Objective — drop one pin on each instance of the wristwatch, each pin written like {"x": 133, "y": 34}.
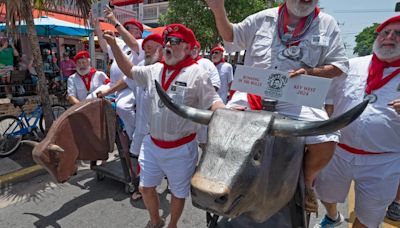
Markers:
{"x": 116, "y": 25}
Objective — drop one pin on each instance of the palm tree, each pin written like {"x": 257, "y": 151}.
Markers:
{"x": 18, "y": 10}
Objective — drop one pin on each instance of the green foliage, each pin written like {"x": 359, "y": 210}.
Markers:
{"x": 364, "y": 40}
{"x": 200, "y": 19}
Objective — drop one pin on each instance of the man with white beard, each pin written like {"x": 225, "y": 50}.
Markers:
{"x": 170, "y": 149}
{"x": 299, "y": 39}
{"x": 86, "y": 79}
{"x": 369, "y": 150}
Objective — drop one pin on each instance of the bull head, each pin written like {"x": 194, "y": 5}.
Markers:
{"x": 252, "y": 160}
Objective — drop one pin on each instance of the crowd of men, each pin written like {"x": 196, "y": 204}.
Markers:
{"x": 296, "y": 38}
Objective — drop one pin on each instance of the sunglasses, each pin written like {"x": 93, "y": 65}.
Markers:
{"x": 215, "y": 52}
{"x": 386, "y": 33}
{"x": 173, "y": 40}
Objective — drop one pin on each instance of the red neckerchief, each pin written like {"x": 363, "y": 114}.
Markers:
{"x": 87, "y": 78}
{"x": 375, "y": 73}
{"x": 301, "y": 27}
{"x": 198, "y": 58}
{"x": 177, "y": 69}
{"x": 221, "y": 61}
{"x": 253, "y": 100}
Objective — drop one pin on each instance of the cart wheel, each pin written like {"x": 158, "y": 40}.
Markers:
{"x": 100, "y": 176}
{"x": 130, "y": 188}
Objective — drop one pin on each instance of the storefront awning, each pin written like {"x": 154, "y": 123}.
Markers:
{"x": 125, "y": 2}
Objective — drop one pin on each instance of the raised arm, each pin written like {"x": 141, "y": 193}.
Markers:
{"x": 128, "y": 38}
{"x": 99, "y": 33}
{"x": 123, "y": 62}
{"x": 224, "y": 26}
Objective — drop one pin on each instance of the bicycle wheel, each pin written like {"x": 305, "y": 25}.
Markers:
{"x": 9, "y": 141}
{"x": 57, "y": 110}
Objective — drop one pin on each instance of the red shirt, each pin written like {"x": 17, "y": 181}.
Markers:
{"x": 67, "y": 67}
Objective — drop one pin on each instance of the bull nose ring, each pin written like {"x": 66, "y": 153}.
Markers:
{"x": 221, "y": 199}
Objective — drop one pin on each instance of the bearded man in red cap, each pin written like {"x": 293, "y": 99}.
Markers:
{"x": 225, "y": 71}
{"x": 131, "y": 44}
{"x": 368, "y": 153}
{"x": 86, "y": 79}
{"x": 294, "y": 38}
{"x": 170, "y": 149}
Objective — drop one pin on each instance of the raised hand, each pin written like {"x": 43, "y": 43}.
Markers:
{"x": 215, "y": 5}
{"x": 395, "y": 105}
{"x": 109, "y": 36}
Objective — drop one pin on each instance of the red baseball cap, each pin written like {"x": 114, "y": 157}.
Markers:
{"x": 388, "y": 21}
{"x": 180, "y": 31}
{"x": 217, "y": 48}
{"x": 154, "y": 37}
{"x": 135, "y": 23}
{"x": 81, "y": 55}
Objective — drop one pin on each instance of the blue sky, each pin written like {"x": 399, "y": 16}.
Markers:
{"x": 354, "y": 15}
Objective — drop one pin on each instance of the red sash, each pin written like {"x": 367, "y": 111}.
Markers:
{"x": 177, "y": 69}
{"x": 173, "y": 144}
{"x": 221, "y": 61}
{"x": 375, "y": 78}
{"x": 253, "y": 100}
{"x": 356, "y": 151}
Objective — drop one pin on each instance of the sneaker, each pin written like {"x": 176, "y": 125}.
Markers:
{"x": 393, "y": 211}
{"x": 310, "y": 201}
{"x": 151, "y": 225}
{"x": 327, "y": 222}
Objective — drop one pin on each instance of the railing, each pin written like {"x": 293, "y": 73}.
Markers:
{"x": 151, "y": 12}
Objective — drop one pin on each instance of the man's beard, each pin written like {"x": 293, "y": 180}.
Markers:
{"x": 170, "y": 59}
{"x": 83, "y": 71}
{"x": 300, "y": 9}
{"x": 149, "y": 60}
{"x": 386, "y": 53}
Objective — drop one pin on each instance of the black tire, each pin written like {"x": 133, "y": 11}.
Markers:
{"x": 57, "y": 110}
{"x": 9, "y": 143}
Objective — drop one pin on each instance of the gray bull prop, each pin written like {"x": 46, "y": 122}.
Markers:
{"x": 252, "y": 162}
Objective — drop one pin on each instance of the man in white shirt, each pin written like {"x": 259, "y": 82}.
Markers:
{"x": 225, "y": 71}
{"x": 131, "y": 44}
{"x": 296, "y": 38}
{"x": 170, "y": 149}
{"x": 369, "y": 148}
{"x": 86, "y": 79}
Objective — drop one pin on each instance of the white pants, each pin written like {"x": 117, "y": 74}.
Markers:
{"x": 375, "y": 187}
{"x": 125, "y": 103}
{"x": 178, "y": 164}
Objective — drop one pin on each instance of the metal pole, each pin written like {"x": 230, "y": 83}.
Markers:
{"x": 92, "y": 50}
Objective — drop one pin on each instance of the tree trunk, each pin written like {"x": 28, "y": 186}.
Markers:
{"x": 38, "y": 62}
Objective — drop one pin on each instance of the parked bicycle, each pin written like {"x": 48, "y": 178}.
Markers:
{"x": 26, "y": 125}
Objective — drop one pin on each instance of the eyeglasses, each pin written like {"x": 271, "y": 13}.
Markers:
{"x": 215, "y": 52}
{"x": 134, "y": 28}
{"x": 173, "y": 40}
{"x": 386, "y": 33}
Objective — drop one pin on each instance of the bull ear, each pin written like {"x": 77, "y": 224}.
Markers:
{"x": 196, "y": 115}
{"x": 292, "y": 128}
{"x": 55, "y": 148}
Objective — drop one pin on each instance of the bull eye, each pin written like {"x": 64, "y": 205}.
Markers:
{"x": 257, "y": 157}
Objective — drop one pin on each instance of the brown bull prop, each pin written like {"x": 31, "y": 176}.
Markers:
{"x": 86, "y": 131}
{"x": 252, "y": 162}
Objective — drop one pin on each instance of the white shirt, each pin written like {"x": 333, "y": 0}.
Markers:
{"x": 115, "y": 73}
{"x": 225, "y": 71}
{"x": 77, "y": 88}
{"x": 257, "y": 34}
{"x": 209, "y": 66}
{"x": 378, "y": 127}
{"x": 191, "y": 87}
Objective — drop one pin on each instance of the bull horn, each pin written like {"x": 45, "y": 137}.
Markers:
{"x": 291, "y": 128}
{"x": 29, "y": 143}
{"x": 55, "y": 148}
{"x": 196, "y": 115}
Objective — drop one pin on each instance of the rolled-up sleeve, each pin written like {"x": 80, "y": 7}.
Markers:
{"x": 335, "y": 54}
{"x": 206, "y": 92}
{"x": 71, "y": 89}
{"x": 243, "y": 33}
